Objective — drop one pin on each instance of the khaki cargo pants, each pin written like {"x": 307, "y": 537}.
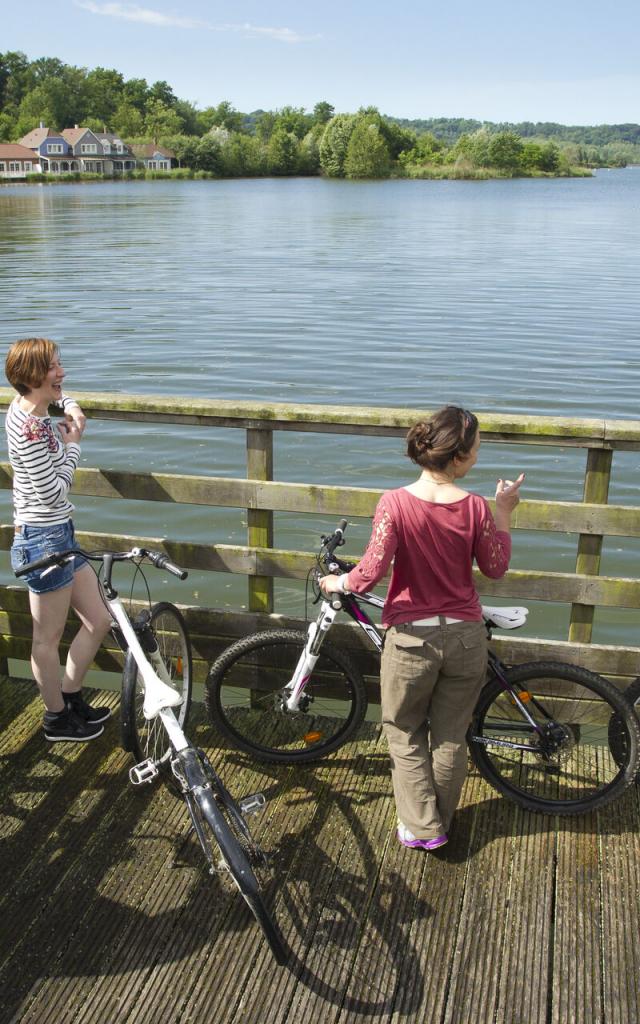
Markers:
{"x": 431, "y": 677}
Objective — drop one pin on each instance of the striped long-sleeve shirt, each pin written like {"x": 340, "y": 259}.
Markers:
{"x": 43, "y": 467}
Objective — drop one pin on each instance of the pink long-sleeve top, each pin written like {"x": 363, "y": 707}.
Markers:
{"x": 432, "y": 547}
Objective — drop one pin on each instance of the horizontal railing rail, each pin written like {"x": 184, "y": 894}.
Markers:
{"x": 590, "y": 520}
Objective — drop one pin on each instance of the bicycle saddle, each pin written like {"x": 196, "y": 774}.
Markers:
{"x": 504, "y": 618}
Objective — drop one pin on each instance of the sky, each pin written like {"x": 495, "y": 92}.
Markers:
{"x": 569, "y": 61}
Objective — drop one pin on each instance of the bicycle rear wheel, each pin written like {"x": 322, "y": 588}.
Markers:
{"x": 215, "y": 814}
{"x": 147, "y": 739}
{"x": 562, "y": 763}
{"x": 618, "y": 740}
{"x": 245, "y": 700}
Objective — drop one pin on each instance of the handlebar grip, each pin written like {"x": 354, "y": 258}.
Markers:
{"x": 163, "y": 563}
{"x": 44, "y": 563}
{"x": 336, "y": 539}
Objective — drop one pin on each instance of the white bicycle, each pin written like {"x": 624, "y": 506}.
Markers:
{"x": 156, "y": 696}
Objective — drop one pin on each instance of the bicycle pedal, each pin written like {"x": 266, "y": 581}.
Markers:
{"x": 252, "y": 804}
{"x": 146, "y": 771}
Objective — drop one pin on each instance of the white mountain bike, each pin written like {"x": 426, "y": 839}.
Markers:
{"x": 156, "y": 695}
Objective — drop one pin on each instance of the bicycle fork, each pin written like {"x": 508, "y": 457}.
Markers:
{"x": 316, "y": 634}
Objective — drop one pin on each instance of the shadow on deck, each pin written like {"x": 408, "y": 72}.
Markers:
{"x": 108, "y": 915}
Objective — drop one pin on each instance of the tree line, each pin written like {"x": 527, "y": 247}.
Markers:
{"x": 222, "y": 141}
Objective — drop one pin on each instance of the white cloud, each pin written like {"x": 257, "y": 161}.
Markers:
{"x": 131, "y": 12}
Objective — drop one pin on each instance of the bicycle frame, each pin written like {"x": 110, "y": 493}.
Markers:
{"x": 351, "y": 604}
{"x": 317, "y": 632}
{"x": 159, "y": 696}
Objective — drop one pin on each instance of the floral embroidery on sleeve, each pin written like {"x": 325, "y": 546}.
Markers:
{"x": 35, "y": 429}
{"x": 493, "y": 549}
{"x": 380, "y": 551}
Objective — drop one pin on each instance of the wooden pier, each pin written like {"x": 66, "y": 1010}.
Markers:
{"x": 108, "y": 914}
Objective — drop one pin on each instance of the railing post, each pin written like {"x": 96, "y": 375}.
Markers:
{"x": 596, "y": 490}
{"x": 259, "y": 521}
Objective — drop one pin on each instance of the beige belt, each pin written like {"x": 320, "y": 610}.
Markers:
{"x": 433, "y": 621}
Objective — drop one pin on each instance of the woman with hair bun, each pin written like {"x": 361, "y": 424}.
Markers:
{"x": 434, "y": 661}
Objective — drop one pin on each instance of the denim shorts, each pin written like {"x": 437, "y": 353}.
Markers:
{"x": 33, "y": 542}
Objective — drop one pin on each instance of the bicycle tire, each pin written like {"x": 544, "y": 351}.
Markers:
{"x": 148, "y": 739}
{"x": 617, "y": 735}
{"x": 203, "y": 805}
{"x": 580, "y": 774}
{"x": 333, "y": 707}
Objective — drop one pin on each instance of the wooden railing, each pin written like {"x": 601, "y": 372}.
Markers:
{"x": 592, "y": 520}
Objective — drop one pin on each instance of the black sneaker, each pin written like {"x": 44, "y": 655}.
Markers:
{"x": 66, "y": 727}
{"x": 76, "y": 703}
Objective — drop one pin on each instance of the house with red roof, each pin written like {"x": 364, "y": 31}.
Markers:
{"x": 154, "y": 157}
{"x": 17, "y": 161}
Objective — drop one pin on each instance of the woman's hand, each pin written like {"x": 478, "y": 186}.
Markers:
{"x": 69, "y": 431}
{"x": 330, "y": 585}
{"x": 75, "y": 414}
{"x": 507, "y": 497}
{"x": 508, "y": 493}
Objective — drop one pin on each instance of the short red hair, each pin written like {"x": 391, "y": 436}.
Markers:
{"x": 28, "y": 363}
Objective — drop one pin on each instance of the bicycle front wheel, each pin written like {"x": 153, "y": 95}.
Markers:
{"x": 147, "y": 739}
{"x": 555, "y": 758}
{"x": 211, "y": 818}
{"x": 245, "y": 698}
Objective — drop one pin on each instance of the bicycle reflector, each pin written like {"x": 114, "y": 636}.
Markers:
{"x": 179, "y": 665}
{"x": 524, "y": 696}
{"x": 312, "y": 737}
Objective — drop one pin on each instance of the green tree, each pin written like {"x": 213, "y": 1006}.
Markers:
{"x": 243, "y": 156}
{"x": 282, "y": 151}
{"x": 367, "y": 154}
{"x": 505, "y": 151}
{"x": 163, "y": 92}
{"x": 549, "y": 157}
{"x": 103, "y": 89}
{"x": 293, "y": 120}
{"x": 136, "y": 93}
{"x": 185, "y": 148}
{"x": 188, "y": 115}
{"x": 322, "y": 112}
{"x": 16, "y": 78}
{"x": 161, "y": 120}
{"x": 223, "y": 116}
{"x": 265, "y": 123}
{"x": 334, "y": 144}
{"x": 309, "y": 151}
{"x": 127, "y": 120}
{"x": 208, "y": 157}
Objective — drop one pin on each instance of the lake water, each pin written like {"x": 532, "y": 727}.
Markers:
{"x": 507, "y": 296}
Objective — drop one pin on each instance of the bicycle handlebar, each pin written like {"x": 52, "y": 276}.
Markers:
{"x": 336, "y": 540}
{"x": 157, "y": 558}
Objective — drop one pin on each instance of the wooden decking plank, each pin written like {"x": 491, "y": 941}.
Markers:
{"x": 78, "y": 906}
{"x": 620, "y": 853}
{"x": 157, "y": 940}
{"x": 386, "y": 955}
{"x": 101, "y": 927}
{"x": 33, "y": 768}
{"x": 158, "y": 995}
{"x": 577, "y": 994}
{"x": 333, "y": 957}
{"x": 307, "y": 887}
{"x": 472, "y": 992}
{"x": 18, "y": 700}
{"x": 54, "y": 835}
{"x": 524, "y": 966}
